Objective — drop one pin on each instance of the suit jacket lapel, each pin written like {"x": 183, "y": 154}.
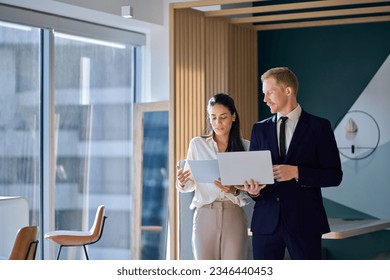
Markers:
{"x": 298, "y": 135}
{"x": 273, "y": 140}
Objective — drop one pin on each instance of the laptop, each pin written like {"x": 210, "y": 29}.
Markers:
{"x": 236, "y": 167}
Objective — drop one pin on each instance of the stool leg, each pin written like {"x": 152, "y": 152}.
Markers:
{"x": 85, "y": 251}
{"x": 59, "y": 252}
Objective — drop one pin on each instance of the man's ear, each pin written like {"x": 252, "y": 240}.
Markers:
{"x": 288, "y": 91}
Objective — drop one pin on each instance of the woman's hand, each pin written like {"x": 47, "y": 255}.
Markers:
{"x": 182, "y": 176}
{"x": 225, "y": 189}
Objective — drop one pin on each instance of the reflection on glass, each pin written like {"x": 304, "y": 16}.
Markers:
{"x": 20, "y": 116}
{"x": 155, "y": 186}
{"x": 93, "y": 105}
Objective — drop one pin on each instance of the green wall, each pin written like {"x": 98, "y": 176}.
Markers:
{"x": 334, "y": 64}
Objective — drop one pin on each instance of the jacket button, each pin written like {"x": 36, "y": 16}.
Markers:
{"x": 277, "y": 199}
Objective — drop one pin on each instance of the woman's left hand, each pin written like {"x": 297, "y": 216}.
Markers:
{"x": 225, "y": 189}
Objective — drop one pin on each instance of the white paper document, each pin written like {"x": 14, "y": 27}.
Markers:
{"x": 236, "y": 167}
{"x": 204, "y": 171}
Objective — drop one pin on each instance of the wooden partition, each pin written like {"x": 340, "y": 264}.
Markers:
{"x": 208, "y": 55}
{"x": 243, "y": 76}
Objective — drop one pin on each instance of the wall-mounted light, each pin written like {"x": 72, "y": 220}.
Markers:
{"x": 351, "y": 130}
{"x": 360, "y": 137}
{"x": 127, "y": 11}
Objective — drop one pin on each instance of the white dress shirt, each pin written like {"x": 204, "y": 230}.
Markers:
{"x": 205, "y": 193}
{"x": 291, "y": 123}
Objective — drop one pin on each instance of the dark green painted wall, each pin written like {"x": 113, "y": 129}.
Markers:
{"x": 334, "y": 64}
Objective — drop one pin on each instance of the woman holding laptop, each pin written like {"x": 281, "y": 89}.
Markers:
{"x": 219, "y": 225}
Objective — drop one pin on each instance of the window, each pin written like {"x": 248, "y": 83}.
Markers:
{"x": 151, "y": 148}
{"x": 93, "y": 132}
{"x": 67, "y": 126}
{"x": 20, "y": 118}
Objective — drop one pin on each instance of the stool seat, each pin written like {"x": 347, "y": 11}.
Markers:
{"x": 79, "y": 238}
{"x": 70, "y": 238}
{"x": 26, "y": 242}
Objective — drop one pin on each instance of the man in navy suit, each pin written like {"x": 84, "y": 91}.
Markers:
{"x": 290, "y": 213}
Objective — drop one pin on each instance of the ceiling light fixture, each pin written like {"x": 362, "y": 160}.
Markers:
{"x": 15, "y": 26}
{"x": 90, "y": 40}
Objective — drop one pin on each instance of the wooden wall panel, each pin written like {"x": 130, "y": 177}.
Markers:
{"x": 216, "y": 60}
{"x": 189, "y": 78}
{"x": 243, "y": 75}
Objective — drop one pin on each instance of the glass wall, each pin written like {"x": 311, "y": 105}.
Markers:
{"x": 66, "y": 125}
{"x": 93, "y": 128}
{"x": 155, "y": 186}
{"x": 20, "y": 119}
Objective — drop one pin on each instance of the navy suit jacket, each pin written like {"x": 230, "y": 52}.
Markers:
{"x": 299, "y": 203}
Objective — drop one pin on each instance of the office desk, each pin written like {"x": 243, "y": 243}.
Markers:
{"x": 343, "y": 228}
{"x": 13, "y": 215}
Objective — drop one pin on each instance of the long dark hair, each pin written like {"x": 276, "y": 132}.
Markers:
{"x": 235, "y": 141}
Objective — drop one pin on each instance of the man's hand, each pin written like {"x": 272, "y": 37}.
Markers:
{"x": 252, "y": 188}
{"x": 285, "y": 172}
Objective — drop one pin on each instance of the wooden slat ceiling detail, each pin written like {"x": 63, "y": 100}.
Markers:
{"x": 272, "y": 16}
